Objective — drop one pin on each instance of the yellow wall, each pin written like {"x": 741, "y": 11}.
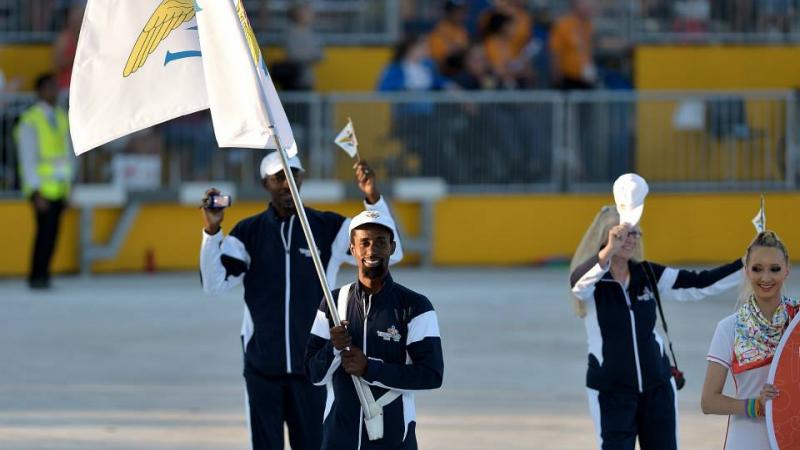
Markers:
{"x": 479, "y": 230}
{"x": 171, "y": 231}
{"x": 717, "y": 67}
{"x": 351, "y": 68}
{"x": 679, "y": 228}
{"x": 26, "y": 62}
{"x": 664, "y": 153}
{"x": 343, "y": 69}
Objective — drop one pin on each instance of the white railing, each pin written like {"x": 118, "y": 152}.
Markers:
{"x": 523, "y": 141}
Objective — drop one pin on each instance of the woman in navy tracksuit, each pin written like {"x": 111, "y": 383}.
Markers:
{"x": 629, "y": 381}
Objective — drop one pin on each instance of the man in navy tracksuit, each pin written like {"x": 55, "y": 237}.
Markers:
{"x": 389, "y": 337}
{"x": 629, "y": 381}
{"x": 268, "y": 253}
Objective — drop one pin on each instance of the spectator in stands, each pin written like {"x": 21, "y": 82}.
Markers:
{"x": 303, "y": 51}
{"x": 449, "y": 39}
{"x": 412, "y": 69}
{"x": 303, "y": 46}
{"x": 66, "y": 45}
{"x": 46, "y": 171}
{"x": 36, "y": 14}
{"x": 776, "y": 16}
{"x": 572, "y": 50}
{"x": 475, "y": 73}
{"x": 481, "y": 126}
{"x": 514, "y": 70}
{"x": 521, "y": 27}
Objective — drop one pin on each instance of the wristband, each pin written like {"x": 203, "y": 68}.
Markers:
{"x": 753, "y": 408}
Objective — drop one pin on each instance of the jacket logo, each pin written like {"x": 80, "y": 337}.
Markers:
{"x": 390, "y": 334}
{"x": 646, "y": 295}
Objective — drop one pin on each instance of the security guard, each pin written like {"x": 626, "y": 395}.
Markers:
{"x": 46, "y": 171}
{"x": 268, "y": 253}
{"x": 389, "y": 337}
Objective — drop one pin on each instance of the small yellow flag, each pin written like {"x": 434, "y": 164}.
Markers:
{"x": 346, "y": 139}
{"x": 760, "y": 220}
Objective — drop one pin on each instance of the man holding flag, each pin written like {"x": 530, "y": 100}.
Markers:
{"x": 388, "y": 336}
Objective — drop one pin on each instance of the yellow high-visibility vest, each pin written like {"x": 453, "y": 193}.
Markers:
{"x": 53, "y": 165}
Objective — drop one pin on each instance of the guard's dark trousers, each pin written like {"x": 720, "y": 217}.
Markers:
{"x": 47, "y": 224}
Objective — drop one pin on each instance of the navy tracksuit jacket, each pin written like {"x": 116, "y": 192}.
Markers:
{"x": 398, "y": 331}
{"x": 628, "y": 373}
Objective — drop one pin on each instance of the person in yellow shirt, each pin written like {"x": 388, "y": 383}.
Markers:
{"x": 449, "y": 38}
{"x": 513, "y": 72}
{"x": 46, "y": 171}
{"x": 571, "y": 48}
{"x": 521, "y": 27}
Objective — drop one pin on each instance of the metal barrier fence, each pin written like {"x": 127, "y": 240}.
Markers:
{"x": 360, "y": 22}
{"x": 527, "y": 141}
{"x": 683, "y": 140}
{"x": 338, "y": 22}
{"x": 683, "y": 21}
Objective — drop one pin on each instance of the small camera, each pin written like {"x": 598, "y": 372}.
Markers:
{"x": 218, "y": 201}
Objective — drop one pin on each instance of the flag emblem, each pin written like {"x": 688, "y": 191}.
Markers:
{"x": 346, "y": 139}
{"x": 167, "y": 17}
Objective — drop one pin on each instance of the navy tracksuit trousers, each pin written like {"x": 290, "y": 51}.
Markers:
{"x": 650, "y": 415}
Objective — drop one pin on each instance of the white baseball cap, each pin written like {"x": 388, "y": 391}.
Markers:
{"x": 629, "y": 193}
{"x": 372, "y": 216}
{"x": 271, "y": 164}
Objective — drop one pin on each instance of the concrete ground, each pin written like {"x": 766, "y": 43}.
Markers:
{"x": 147, "y": 361}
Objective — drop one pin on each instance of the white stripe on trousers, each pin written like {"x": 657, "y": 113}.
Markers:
{"x": 594, "y": 410}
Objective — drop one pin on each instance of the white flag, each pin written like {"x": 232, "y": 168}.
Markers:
{"x": 241, "y": 94}
{"x": 760, "y": 220}
{"x": 346, "y": 139}
{"x": 137, "y": 64}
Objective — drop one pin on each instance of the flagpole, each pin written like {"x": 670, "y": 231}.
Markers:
{"x": 312, "y": 246}
{"x": 298, "y": 202}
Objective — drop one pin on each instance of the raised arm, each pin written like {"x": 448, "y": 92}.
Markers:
{"x": 223, "y": 259}
{"x": 585, "y": 276}
{"x": 689, "y": 285}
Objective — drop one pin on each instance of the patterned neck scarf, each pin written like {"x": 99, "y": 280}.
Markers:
{"x": 756, "y": 338}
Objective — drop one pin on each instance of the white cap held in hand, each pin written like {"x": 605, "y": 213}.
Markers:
{"x": 630, "y": 191}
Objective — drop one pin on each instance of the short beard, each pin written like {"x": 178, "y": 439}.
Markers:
{"x": 374, "y": 272}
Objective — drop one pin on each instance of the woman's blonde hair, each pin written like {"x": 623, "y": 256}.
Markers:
{"x": 768, "y": 239}
{"x": 593, "y": 241}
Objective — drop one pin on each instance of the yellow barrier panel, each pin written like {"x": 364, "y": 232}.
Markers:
{"x": 679, "y": 228}
{"x": 170, "y": 232}
{"x": 468, "y": 230}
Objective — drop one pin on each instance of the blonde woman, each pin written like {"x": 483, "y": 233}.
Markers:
{"x": 744, "y": 344}
{"x": 629, "y": 382}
